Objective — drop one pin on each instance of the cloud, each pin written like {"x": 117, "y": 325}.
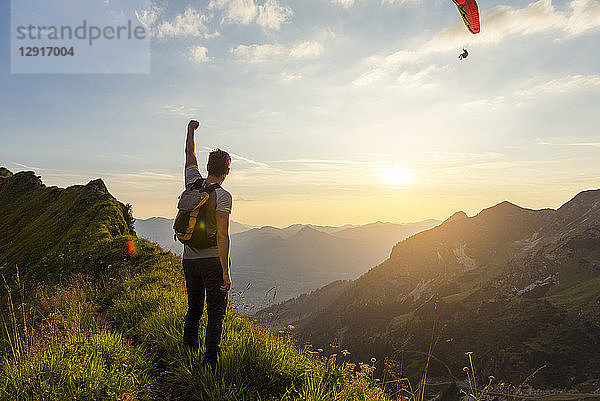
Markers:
{"x": 307, "y": 49}
{"x": 323, "y": 161}
{"x": 25, "y": 166}
{"x": 180, "y": 110}
{"x": 249, "y": 161}
{"x": 198, "y": 54}
{"x": 408, "y": 77}
{"x": 585, "y": 16}
{"x": 499, "y": 22}
{"x": 286, "y": 76}
{"x": 350, "y": 3}
{"x": 270, "y": 52}
{"x": 148, "y": 17}
{"x": 269, "y": 15}
{"x": 400, "y": 2}
{"x": 257, "y": 53}
{"x": 235, "y": 156}
{"x": 554, "y": 87}
{"x": 235, "y": 11}
{"x": 562, "y": 85}
{"x": 343, "y": 3}
{"x": 190, "y": 23}
{"x": 593, "y": 144}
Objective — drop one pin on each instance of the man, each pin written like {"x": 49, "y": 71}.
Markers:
{"x": 207, "y": 270}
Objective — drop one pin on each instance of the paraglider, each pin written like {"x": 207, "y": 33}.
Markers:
{"x": 470, "y": 14}
{"x": 464, "y": 54}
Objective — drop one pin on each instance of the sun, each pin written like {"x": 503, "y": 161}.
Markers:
{"x": 397, "y": 176}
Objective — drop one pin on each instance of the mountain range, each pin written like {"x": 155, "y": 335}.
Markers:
{"x": 160, "y": 231}
{"x": 274, "y": 264}
{"x": 520, "y": 288}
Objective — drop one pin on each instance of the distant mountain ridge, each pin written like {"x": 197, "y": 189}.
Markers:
{"x": 518, "y": 287}
{"x": 160, "y": 231}
{"x": 280, "y": 263}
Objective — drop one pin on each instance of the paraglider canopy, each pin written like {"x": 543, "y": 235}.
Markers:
{"x": 470, "y": 14}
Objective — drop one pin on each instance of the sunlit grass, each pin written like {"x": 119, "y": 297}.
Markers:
{"x": 121, "y": 340}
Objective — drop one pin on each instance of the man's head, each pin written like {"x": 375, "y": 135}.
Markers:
{"x": 218, "y": 163}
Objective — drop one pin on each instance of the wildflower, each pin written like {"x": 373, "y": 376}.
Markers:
{"x": 270, "y": 313}
{"x": 373, "y": 360}
{"x": 492, "y": 378}
{"x": 466, "y": 369}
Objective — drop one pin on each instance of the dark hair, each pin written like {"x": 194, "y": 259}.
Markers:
{"x": 218, "y": 162}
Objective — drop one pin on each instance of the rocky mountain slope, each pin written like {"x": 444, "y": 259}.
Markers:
{"x": 518, "y": 287}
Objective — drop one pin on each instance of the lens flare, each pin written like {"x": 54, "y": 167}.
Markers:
{"x": 130, "y": 247}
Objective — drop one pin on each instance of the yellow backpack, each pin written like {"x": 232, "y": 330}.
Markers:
{"x": 190, "y": 223}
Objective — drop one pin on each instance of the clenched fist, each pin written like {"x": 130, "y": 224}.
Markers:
{"x": 193, "y": 125}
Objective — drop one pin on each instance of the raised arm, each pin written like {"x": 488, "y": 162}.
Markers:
{"x": 190, "y": 147}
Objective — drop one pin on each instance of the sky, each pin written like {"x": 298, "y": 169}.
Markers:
{"x": 334, "y": 111}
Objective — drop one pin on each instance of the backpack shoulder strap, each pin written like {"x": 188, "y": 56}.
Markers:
{"x": 211, "y": 187}
{"x": 197, "y": 184}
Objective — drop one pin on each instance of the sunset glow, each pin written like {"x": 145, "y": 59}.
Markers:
{"x": 397, "y": 177}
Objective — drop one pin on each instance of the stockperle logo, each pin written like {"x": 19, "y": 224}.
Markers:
{"x": 75, "y": 36}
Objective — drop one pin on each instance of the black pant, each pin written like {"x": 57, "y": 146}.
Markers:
{"x": 204, "y": 275}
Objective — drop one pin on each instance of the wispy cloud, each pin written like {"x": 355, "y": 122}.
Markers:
{"x": 343, "y": 3}
{"x": 501, "y": 22}
{"x": 198, "y": 54}
{"x": 235, "y": 11}
{"x": 180, "y": 110}
{"x": 593, "y": 144}
{"x": 562, "y": 85}
{"x": 270, "y": 15}
{"x": 539, "y": 91}
{"x": 27, "y": 167}
{"x": 321, "y": 161}
{"x": 273, "y": 52}
{"x": 190, "y": 23}
{"x": 583, "y": 144}
{"x": 238, "y": 157}
{"x": 247, "y": 160}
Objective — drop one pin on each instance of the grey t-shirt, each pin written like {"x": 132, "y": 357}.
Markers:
{"x": 222, "y": 201}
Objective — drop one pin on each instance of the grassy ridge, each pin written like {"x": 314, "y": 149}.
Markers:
{"x": 95, "y": 313}
{"x": 124, "y": 342}
{"x": 53, "y": 232}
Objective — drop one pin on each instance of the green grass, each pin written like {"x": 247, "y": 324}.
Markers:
{"x": 575, "y": 297}
{"x": 101, "y": 342}
{"x": 87, "y": 316}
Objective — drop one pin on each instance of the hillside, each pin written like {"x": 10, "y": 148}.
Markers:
{"x": 54, "y": 232}
{"x": 519, "y": 288}
{"x": 94, "y": 313}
